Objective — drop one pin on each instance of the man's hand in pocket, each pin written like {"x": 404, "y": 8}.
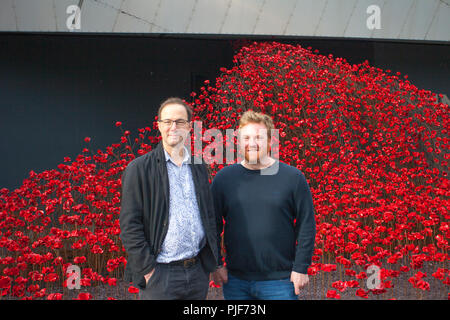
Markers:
{"x": 148, "y": 276}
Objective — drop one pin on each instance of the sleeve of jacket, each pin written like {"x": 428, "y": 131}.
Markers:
{"x": 305, "y": 226}
{"x": 140, "y": 259}
{"x": 210, "y": 205}
{"x": 218, "y": 207}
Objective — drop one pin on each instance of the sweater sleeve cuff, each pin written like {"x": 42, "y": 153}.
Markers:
{"x": 301, "y": 268}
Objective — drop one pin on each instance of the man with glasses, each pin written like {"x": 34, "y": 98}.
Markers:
{"x": 167, "y": 216}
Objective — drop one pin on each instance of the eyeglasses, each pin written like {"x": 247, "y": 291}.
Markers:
{"x": 169, "y": 122}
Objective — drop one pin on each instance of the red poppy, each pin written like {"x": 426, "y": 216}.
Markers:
{"x": 132, "y": 289}
{"x": 79, "y": 260}
{"x": 361, "y": 293}
{"x": 84, "y": 296}
{"x": 55, "y": 296}
{"x": 333, "y": 294}
{"x": 5, "y": 282}
{"x": 112, "y": 281}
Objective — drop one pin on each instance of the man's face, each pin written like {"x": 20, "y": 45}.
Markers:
{"x": 174, "y": 134}
{"x": 254, "y": 142}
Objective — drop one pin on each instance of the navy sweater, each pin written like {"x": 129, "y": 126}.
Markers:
{"x": 259, "y": 212}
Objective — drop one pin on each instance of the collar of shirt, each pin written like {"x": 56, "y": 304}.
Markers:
{"x": 185, "y": 159}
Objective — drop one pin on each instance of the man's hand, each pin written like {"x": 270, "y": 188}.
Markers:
{"x": 148, "y": 276}
{"x": 299, "y": 280}
{"x": 220, "y": 276}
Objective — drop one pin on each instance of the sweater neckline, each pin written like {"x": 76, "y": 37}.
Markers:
{"x": 258, "y": 171}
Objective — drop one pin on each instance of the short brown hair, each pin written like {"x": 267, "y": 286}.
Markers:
{"x": 175, "y": 100}
{"x": 251, "y": 116}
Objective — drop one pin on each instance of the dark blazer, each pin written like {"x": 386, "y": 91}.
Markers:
{"x": 144, "y": 213}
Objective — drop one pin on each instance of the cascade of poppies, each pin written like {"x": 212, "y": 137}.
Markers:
{"x": 373, "y": 147}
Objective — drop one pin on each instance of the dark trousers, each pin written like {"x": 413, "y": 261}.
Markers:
{"x": 174, "y": 282}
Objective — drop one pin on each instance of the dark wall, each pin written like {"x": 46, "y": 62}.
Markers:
{"x": 56, "y": 89}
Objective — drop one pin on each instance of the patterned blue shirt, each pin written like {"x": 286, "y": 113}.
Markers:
{"x": 186, "y": 235}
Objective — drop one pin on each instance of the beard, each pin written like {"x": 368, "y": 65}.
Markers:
{"x": 255, "y": 155}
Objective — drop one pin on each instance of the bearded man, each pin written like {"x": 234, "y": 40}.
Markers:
{"x": 269, "y": 220}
